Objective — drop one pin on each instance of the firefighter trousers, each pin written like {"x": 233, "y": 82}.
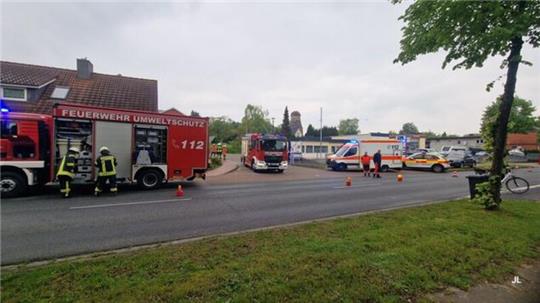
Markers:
{"x": 101, "y": 183}
{"x": 65, "y": 185}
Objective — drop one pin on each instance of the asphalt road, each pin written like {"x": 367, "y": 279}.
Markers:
{"x": 45, "y": 227}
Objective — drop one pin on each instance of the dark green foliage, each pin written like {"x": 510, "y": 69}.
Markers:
{"x": 286, "y": 124}
{"x": 348, "y": 126}
{"x": 522, "y": 119}
{"x": 409, "y": 129}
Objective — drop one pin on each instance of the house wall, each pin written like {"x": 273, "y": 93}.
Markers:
{"x": 471, "y": 142}
{"x": 314, "y": 149}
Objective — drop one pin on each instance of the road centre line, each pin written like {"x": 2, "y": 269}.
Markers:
{"x": 129, "y": 203}
{"x": 356, "y": 186}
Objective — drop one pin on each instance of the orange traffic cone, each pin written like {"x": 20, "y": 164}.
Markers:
{"x": 399, "y": 177}
{"x": 454, "y": 174}
{"x": 348, "y": 181}
{"x": 179, "y": 191}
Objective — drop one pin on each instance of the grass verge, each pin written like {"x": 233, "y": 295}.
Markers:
{"x": 392, "y": 257}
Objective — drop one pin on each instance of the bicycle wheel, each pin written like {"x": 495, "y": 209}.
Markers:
{"x": 517, "y": 185}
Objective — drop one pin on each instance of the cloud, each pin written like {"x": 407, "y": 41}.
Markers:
{"x": 218, "y": 57}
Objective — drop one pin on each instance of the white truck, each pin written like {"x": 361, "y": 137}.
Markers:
{"x": 348, "y": 156}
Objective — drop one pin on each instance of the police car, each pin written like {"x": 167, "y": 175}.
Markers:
{"x": 432, "y": 161}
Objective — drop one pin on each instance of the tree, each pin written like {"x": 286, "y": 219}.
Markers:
{"x": 348, "y": 126}
{"x": 521, "y": 119}
{"x": 224, "y": 129}
{"x": 286, "y": 124}
{"x": 329, "y": 131}
{"x": 470, "y": 32}
{"x": 409, "y": 129}
{"x": 256, "y": 120}
{"x": 195, "y": 113}
{"x": 311, "y": 132}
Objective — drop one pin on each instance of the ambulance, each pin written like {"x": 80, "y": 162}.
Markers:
{"x": 151, "y": 148}
{"x": 348, "y": 156}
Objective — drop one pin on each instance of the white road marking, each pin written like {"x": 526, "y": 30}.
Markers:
{"x": 520, "y": 188}
{"x": 129, "y": 203}
{"x": 356, "y": 186}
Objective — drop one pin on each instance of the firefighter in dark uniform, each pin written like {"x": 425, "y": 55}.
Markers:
{"x": 106, "y": 166}
{"x": 67, "y": 170}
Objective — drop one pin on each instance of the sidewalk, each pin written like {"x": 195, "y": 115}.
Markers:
{"x": 527, "y": 291}
{"x": 228, "y": 166}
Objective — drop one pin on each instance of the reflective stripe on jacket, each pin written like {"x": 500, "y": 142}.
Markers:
{"x": 67, "y": 166}
{"x": 106, "y": 166}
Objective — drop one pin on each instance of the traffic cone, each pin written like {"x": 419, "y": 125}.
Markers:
{"x": 399, "y": 177}
{"x": 454, "y": 174}
{"x": 179, "y": 191}
{"x": 348, "y": 181}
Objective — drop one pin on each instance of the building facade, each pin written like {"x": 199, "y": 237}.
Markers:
{"x": 35, "y": 89}
{"x": 313, "y": 148}
{"x": 470, "y": 141}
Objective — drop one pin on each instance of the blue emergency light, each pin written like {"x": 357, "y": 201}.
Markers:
{"x": 4, "y": 110}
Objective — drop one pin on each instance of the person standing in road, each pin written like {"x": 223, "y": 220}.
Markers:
{"x": 225, "y": 150}
{"x": 365, "y": 159}
{"x": 106, "y": 165}
{"x": 67, "y": 170}
{"x": 377, "y": 160}
{"x": 219, "y": 150}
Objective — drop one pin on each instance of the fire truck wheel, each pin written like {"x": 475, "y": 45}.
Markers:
{"x": 12, "y": 184}
{"x": 149, "y": 179}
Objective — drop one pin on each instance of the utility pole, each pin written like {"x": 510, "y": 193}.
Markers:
{"x": 273, "y": 128}
{"x": 320, "y": 136}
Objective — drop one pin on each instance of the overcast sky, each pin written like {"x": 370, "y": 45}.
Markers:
{"x": 217, "y": 57}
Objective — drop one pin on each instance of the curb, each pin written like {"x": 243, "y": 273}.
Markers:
{"x": 227, "y": 171}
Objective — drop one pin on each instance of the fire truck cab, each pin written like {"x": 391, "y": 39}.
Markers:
{"x": 265, "y": 152}
{"x": 150, "y": 148}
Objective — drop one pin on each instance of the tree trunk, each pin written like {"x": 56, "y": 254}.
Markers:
{"x": 501, "y": 125}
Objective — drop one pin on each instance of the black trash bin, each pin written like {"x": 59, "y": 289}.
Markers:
{"x": 474, "y": 180}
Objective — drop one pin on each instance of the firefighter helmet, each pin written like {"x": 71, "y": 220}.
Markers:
{"x": 103, "y": 148}
{"x": 74, "y": 150}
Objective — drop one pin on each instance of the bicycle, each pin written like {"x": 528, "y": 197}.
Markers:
{"x": 514, "y": 184}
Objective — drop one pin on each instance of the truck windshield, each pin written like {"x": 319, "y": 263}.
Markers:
{"x": 274, "y": 145}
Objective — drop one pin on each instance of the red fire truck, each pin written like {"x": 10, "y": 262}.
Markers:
{"x": 151, "y": 148}
{"x": 265, "y": 152}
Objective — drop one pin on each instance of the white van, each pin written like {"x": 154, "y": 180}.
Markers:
{"x": 348, "y": 156}
{"x": 445, "y": 150}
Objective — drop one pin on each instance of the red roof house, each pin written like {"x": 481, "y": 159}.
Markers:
{"x": 34, "y": 88}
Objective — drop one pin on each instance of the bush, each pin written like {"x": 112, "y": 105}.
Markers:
{"x": 215, "y": 163}
{"x": 483, "y": 193}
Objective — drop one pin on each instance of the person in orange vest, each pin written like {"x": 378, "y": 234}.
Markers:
{"x": 365, "y": 159}
{"x": 224, "y": 151}
{"x": 213, "y": 150}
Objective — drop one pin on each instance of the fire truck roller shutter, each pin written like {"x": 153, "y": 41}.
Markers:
{"x": 117, "y": 137}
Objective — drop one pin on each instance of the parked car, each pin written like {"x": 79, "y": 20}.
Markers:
{"x": 432, "y": 161}
{"x": 467, "y": 160}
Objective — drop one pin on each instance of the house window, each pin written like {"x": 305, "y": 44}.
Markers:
{"x": 309, "y": 149}
{"x": 14, "y": 93}
{"x": 60, "y": 92}
{"x": 324, "y": 149}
